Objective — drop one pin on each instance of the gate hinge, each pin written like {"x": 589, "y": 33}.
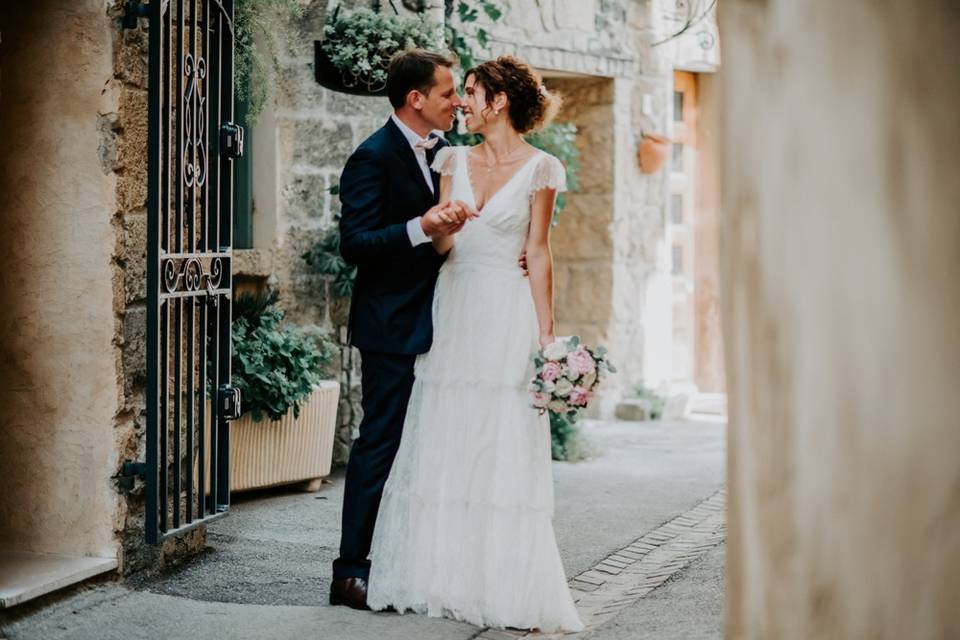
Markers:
{"x": 133, "y": 12}
{"x": 129, "y": 472}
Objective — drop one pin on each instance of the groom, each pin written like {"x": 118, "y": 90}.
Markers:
{"x": 389, "y": 214}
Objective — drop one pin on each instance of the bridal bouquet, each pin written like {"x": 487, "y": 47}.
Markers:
{"x": 567, "y": 375}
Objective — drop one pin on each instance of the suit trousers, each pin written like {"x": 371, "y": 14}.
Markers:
{"x": 386, "y": 383}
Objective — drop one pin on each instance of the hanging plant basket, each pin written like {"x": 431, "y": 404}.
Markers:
{"x": 330, "y": 77}
{"x": 356, "y": 48}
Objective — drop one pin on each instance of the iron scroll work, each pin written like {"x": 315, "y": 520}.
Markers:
{"x": 191, "y": 144}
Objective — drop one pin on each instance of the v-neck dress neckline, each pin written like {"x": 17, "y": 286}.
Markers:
{"x": 465, "y": 157}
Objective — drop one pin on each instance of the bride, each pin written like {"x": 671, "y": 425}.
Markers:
{"x": 465, "y": 526}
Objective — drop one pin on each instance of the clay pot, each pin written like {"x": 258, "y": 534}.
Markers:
{"x": 653, "y": 152}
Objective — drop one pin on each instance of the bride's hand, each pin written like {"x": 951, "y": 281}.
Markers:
{"x": 547, "y": 338}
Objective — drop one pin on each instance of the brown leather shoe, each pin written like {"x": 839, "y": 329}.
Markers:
{"x": 351, "y": 592}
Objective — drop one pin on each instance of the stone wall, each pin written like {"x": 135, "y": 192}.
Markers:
{"x": 302, "y": 141}
{"x": 582, "y": 242}
{"x": 61, "y": 301}
{"x": 840, "y": 262}
{"x": 124, "y": 152}
{"x": 126, "y": 155}
{"x": 611, "y": 246}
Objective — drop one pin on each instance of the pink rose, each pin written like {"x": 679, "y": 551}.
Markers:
{"x": 580, "y": 361}
{"x": 540, "y": 399}
{"x": 550, "y": 371}
{"x": 579, "y": 397}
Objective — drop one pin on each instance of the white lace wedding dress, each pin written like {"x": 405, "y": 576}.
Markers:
{"x": 465, "y": 527}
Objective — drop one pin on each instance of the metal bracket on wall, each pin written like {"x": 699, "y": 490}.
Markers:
{"x": 134, "y": 11}
{"x": 129, "y": 472}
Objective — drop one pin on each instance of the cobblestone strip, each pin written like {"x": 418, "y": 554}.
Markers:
{"x": 631, "y": 573}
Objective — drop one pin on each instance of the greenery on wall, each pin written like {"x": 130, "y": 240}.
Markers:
{"x": 559, "y": 139}
{"x": 252, "y": 20}
{"x": 275, "y": 366}
{"x": 458, "y": 41}
{"x": 324, "y": 257}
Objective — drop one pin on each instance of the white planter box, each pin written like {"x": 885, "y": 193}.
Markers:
{"x": 274, "y": 452}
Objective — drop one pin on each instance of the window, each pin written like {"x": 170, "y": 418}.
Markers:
{"x": 677, "y": 157}
{"x": 676, "y": 208}
{"x": 677, "y": 260}
{"x": 678, "y": 106}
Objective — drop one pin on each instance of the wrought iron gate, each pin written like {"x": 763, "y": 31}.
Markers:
{"x": 192, "y": 142}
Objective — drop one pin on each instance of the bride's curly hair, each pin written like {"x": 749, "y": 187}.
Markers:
{"x": 531, "y": 106}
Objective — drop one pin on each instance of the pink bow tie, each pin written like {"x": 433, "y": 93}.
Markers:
{"x": 428, "y": 143}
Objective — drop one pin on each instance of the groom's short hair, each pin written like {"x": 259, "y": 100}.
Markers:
{"x": 413, "y": 69}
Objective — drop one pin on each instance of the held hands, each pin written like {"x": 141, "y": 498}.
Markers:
{"x": 447, "y": 218}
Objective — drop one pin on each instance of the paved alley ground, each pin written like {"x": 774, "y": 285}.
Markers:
{"x": 640, "y": 529}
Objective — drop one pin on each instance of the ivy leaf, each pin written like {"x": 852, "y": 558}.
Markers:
{"x": 482, "y": 38}
{"x": 492, "y": 11}
{"x": 466, "y": 12}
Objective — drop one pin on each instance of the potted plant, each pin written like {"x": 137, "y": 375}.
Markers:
{"x": 357, "y": 47}
{"x": 287, "y": 429}
{"x": 652, "y": 152}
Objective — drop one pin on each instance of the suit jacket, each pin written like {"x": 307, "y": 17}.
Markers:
{"x": 381, "y": 188}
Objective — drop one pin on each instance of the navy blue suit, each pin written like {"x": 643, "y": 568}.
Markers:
{"x": 381, "y": 188}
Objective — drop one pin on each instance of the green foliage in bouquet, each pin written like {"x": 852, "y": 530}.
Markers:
{"x": 275, "y": 366}
{"x": 562, "y": 430}
{"x": 361, "y": 43}
{"x": 567, "y": 440}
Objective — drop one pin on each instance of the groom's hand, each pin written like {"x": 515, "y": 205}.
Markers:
{"x": 447, "y": 218}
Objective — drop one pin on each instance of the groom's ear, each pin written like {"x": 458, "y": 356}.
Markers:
{"x": 415, "y": 99}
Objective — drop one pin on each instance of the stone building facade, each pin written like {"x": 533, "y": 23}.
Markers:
{"x": 612, "y": 244}
{"x": 73, "y": 108}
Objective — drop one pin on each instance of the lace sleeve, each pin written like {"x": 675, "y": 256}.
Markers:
{"x": 445, "y": 162}
{"x": 549, "y": 174}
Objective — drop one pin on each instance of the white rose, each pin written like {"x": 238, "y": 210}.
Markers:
{"x": 555, "y": 351}
{"x": 558, "y": 406}
{"x": 548, "y": 387}
{"x": 589, "y": 379}
{"x": 569, "y": 373}
{"x": 563, "y": 387}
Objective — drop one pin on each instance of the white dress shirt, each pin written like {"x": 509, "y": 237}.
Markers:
{"x": 414, "y": 230}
